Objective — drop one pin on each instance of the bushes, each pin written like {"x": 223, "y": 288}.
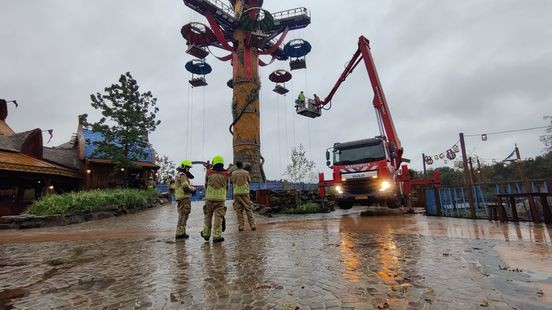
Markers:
{"x": 306, "y": 208}
{"x": 91, "y": 201}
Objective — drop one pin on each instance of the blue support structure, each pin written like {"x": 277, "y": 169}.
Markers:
{"x": 518, "y": 190}
{"x": 464, "y": 202}
{"x": 483, "y": 201}
{"x": 431, "y": 204}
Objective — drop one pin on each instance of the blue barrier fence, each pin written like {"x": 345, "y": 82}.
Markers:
{"x": 454, "y": 200}
{"x": 273, "y": 186}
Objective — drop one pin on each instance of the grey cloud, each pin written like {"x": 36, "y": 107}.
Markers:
{"x": 445, "y": 67}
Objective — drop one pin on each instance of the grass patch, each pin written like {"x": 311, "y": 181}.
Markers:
{"x": 91, "y": 201}
{"x": 306, "y": 208}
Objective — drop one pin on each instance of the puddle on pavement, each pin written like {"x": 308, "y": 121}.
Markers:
{"x": 160, "y": 223}
{"x": 533, "y": 259}
{"x": 546, "y": 296}
{"x": 427, "y": 226}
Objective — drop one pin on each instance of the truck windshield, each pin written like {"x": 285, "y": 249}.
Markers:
{"x": 359, "y": 154}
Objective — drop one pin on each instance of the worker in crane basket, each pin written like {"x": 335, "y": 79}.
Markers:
{"x": 301, "y": 97}
{"x": 183, "y": 192}
{"x": 242, "y": 202}
{"x": 300, "y": 102}
{"x": 216, "y": 182}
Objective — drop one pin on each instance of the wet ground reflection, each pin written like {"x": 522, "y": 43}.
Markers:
{"x": 318, "y": 261}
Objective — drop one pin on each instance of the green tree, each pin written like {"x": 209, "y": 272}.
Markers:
{"x": 300, "y": 169}
{"x": 547, "y": 139}
{"x": 166, "y": 168}
{"x": 128, "y": 117}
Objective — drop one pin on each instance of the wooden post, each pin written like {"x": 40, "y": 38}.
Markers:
{"x": 468, "y": 184}
{"x": 546, "y": 209}
{"x": 502, "y": 215}
{"x": 515, "y": 217}
{"x": 424, "y": 163}
{"x": 472, "y": 176}
{"x": 527, "y": 188}
{"x": 438, "y": 202}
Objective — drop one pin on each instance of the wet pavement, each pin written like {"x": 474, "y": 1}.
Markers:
{"x": 339, "y": 260}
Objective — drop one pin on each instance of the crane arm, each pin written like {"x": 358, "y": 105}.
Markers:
{"x": 379, "y": 101}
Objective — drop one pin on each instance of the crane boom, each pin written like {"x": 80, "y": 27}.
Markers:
{"x": 379, "y": 101}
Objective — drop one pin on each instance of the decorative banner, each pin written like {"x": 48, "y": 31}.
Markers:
{"x": 511, "y": 156}
{"x": 456, "y": 148}
{"x": 429, "y": 161}
{"x": 436, "y": 157}
{"x": 484, "y": 137}
{"x": 51, "y": 133}
{"x": 441, "y": 156}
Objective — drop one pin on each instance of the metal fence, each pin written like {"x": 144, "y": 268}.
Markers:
{"x": 453, "y": 201}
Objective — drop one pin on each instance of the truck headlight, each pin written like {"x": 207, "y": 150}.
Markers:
{"x": 384, "y": 185}
{"x": 339, "y": 189}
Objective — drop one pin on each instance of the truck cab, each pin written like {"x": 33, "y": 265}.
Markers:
{"x": 364, "y": 172}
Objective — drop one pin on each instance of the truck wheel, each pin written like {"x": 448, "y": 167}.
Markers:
{"x": 345, "y": 204}
{"x": 393, "y": 203}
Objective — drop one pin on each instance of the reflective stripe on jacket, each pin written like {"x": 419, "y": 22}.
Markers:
{"x": 182, "y": 184}
{"x": 240, "y": 180}
{"x": 216, "y": 182}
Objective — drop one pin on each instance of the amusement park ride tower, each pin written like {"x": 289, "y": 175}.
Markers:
{"x": 247, "y": 31}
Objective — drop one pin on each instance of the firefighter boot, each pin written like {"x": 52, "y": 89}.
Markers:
{"x": 181, "y": 233}
{"x": 217, "y": 235}
{"x": 205, "y": 233}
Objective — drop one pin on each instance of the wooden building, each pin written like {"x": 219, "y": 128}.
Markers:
{"x": 102, "y": 173}
{"x": 29, "y": 170}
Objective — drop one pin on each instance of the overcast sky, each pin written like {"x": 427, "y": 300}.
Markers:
{"x": 446, "y": 67}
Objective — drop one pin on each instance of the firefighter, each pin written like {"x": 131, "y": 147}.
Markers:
{"x": 300, "y": 102}
{"x": 183, "y": 191}
{"x": 216, "y": 181}
{"x": 242, "y": 202}
{"x": 301, "y": 97}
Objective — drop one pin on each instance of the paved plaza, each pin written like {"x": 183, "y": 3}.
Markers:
{"x": 340, "y": 260}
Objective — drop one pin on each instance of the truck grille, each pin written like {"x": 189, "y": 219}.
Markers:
{"x": 364, "y": 186}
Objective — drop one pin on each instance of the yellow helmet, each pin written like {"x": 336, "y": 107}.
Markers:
{"x": 217, "y": 160}
{"x": 185, "y": 163}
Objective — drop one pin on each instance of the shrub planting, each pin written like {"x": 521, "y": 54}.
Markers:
{"x": 91, "y": 201}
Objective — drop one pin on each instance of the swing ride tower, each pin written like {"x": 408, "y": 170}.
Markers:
{"x": 247, "y": 31}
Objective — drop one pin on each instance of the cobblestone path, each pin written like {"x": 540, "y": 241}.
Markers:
{"x": 339, "y": 260}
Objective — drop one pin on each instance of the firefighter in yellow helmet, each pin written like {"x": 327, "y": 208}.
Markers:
{"x": 216, "y": 182}
{"x": 183, "y": 192}
{"x": 242, "y": 202}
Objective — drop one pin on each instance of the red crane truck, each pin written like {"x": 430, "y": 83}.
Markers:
{"x": 369, "y": 170}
